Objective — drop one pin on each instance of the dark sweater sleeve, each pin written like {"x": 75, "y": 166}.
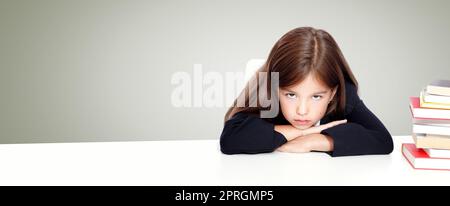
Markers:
{"x": 363, "y": 134}
{"x": 249, "y": 134}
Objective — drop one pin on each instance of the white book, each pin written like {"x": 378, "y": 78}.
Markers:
{"x": 437, "y": 122}
{"x": 423, "y": 135}
{"x": 420, "y": 112}
{"x": 437, "y": 125}
{"x": 439, "y": 87}
{"x": 431, "y": 129}
{"x": 436, "y": 98}
{"x": 440, "y": 99}
{"x": 438, "y": 153}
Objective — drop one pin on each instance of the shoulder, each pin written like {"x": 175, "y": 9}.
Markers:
{"x": 241, "y": 116}
{"x": 351, "y": 97}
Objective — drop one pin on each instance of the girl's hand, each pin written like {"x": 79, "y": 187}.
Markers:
{"x": 290, "y": 132}
{"x": 320, "y": 128}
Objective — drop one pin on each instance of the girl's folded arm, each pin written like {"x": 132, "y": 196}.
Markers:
{"x": 247, "y": 133}
{"x": 363, "y": 134}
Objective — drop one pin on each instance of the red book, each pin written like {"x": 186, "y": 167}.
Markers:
{"x": 421, "y": 112}
{"x": 419, "y": 159}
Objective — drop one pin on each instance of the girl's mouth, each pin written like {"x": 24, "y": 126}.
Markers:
{"x": 302, "y": 122}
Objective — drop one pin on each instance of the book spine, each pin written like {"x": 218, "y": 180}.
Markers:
{"x": 431, "y": 113}
{"x": 427, "y": 129}
{"x": 437, "y": 90}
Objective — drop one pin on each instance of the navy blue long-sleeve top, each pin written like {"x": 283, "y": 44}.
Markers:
{"x": 363, "y": 134}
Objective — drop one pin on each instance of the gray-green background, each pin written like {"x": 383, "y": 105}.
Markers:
{"x": 100, "y": 70}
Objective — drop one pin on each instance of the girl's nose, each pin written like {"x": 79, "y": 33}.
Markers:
{"x": 302, "y": 109}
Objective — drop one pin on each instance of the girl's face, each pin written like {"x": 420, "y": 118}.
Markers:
{"x": 305, "y": 103}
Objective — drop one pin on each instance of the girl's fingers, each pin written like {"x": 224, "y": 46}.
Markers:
{"x": 331, "y": 124}
{"x": 335, "y": 123}
{"x": 319, "y": 129}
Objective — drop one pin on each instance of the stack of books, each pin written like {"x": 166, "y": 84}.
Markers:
{"x": 431, "y": 128}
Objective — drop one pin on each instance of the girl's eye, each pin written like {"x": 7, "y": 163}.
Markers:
{"x": 317, "y": 97}
{"x": 291, "y": 95}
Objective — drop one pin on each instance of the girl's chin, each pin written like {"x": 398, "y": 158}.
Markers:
{"x": 301, "y": 126}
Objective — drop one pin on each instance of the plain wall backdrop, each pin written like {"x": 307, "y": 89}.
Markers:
{"x": 100, "y": 70}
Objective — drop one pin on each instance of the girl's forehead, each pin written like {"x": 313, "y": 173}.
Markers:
{"x": 309, "y": 83}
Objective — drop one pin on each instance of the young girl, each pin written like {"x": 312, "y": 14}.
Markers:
{"x": 318, "y": 102}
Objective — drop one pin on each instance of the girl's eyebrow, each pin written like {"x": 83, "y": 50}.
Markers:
{"x": 321, "y": 92}
{"x": 291, "y": 91}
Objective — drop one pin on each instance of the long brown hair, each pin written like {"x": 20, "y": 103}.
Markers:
{"x": 301, "y": 51}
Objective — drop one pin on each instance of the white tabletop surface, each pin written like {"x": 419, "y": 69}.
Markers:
{"x": 199, "y": 162}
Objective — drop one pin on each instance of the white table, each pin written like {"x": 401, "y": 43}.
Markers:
{"x": 199, "y": 162}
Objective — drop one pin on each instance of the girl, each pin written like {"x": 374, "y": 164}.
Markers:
{"x": 318, "y": 100}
